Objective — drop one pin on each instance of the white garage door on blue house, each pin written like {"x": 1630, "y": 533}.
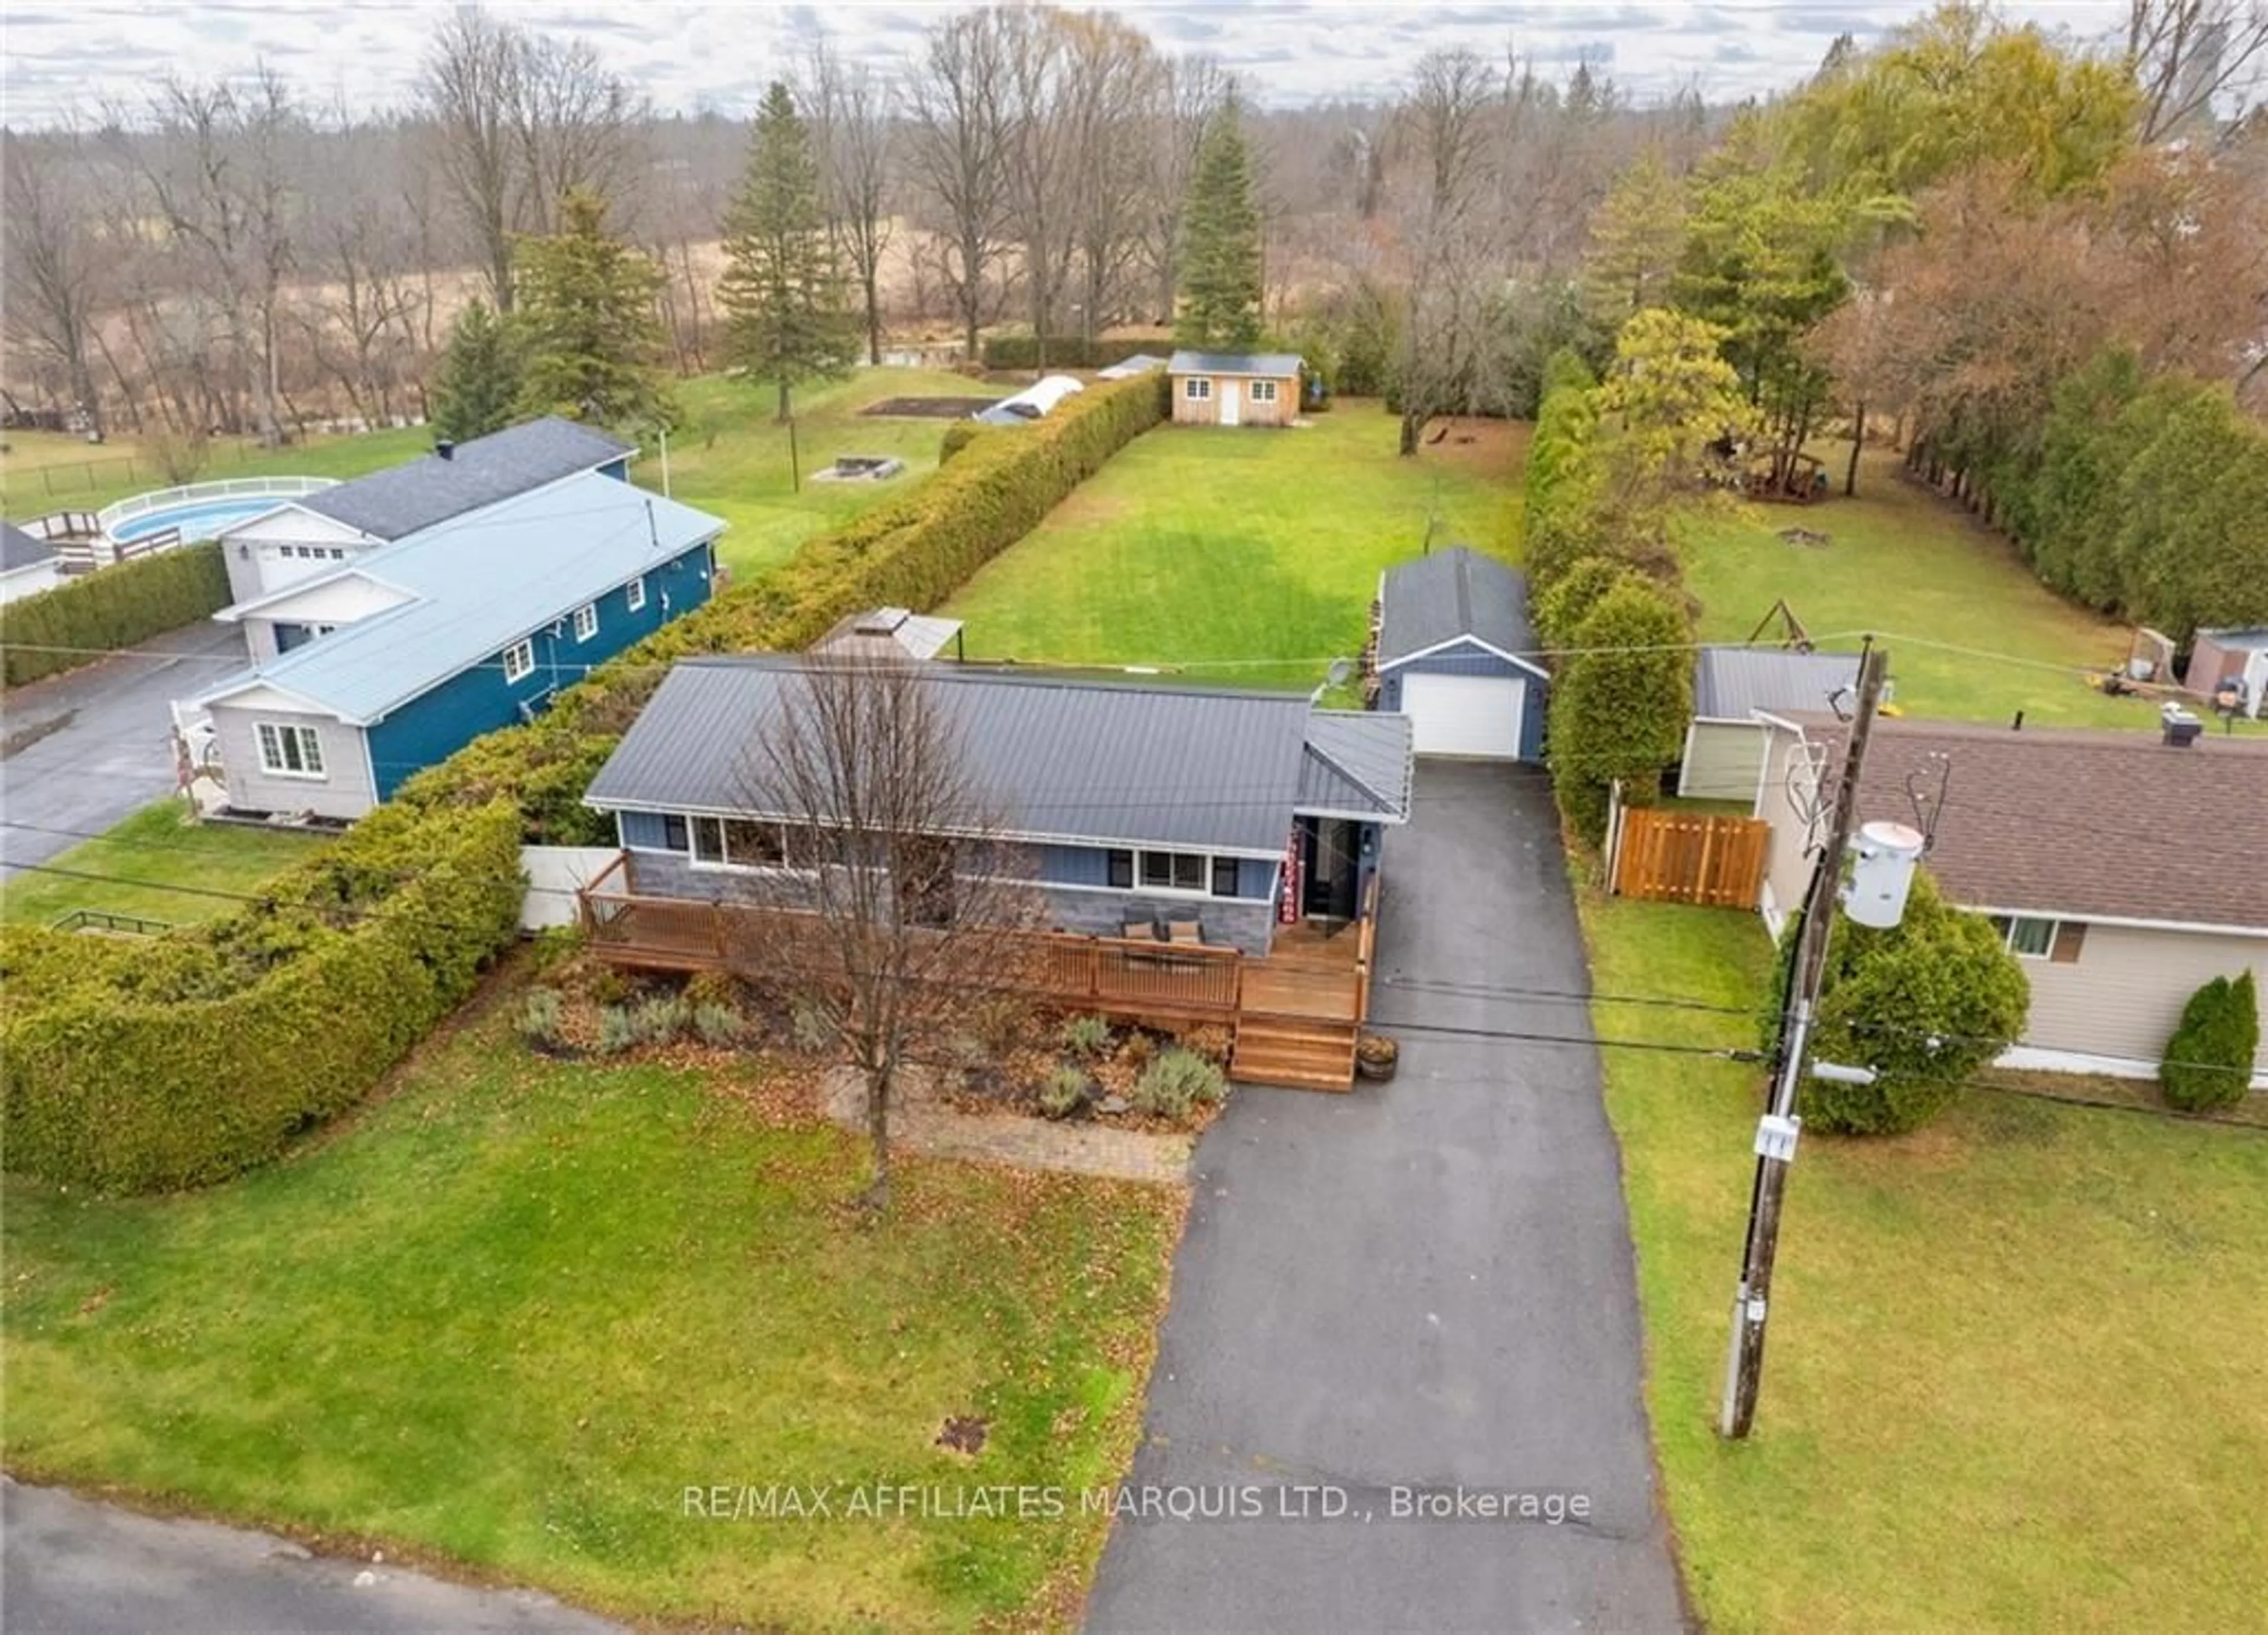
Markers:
{"x": 1455, "y": 654}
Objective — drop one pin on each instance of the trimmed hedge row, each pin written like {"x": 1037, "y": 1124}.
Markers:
{"x": 196, "y": 1055}
{"x": 137, "y": 1094}
{"x": 911, "y": 551}
{"x": 1065, "y": 351}
{"x": 62, "y": 629}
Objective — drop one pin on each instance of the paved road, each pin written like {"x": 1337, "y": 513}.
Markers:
{"x": 110, "y": 753}
{"x": 70, "y": 1567}
{"x": 1426, "y": 1284}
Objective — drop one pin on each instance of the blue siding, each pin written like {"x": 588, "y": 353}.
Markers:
{"x": 1255, "y": 877}
{"x": 1466, "y": 660}
{"x": 618, "y": 469}
{"x": 1074, "y": 865}
{"x": 439, "y": 722}
{"x": 643, "y": 829}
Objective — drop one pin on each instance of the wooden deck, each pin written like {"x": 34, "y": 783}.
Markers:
{"x": 1293, "y": 1015}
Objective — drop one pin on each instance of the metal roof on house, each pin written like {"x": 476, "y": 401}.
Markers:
{"x": 1358, "y": 761}
{"x": 478, "y": 585}
{"x": 1450, "y": 595}
{"x": 1125, "y": 368}
{"x": 1063, "y": 757}
{"x": 1731, "y": 682}
{"x": 393, "y": 503}
{"x": 2073, "y": 823}
{"x": 2253, "y": 638}
{"x": 890, "y": 633}
{"x": 1268, "y": 365}
{"x": 19, "y": 549}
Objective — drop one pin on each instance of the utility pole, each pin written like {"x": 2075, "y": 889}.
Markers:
{"x": 1776, "y": 1134}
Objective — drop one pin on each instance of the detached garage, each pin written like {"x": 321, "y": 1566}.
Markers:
{"x": 1455, "y": 655}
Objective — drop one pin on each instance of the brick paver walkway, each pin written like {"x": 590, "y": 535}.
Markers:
{"x": 919, "y": 1120}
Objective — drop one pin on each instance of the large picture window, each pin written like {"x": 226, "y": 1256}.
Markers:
{"x": 1188, "y": 873}
{"x": 740, "y": 844}
{"x": 289, "y": 751}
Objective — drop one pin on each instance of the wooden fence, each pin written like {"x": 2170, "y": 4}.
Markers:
{"x": 1689, "y": 857}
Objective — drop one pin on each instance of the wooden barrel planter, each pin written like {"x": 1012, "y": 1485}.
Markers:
{"x": 1376, "y": 1056}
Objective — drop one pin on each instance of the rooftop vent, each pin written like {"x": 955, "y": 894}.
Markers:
{"x": 881, "y": 621}
{"x": 2180, "y": 726}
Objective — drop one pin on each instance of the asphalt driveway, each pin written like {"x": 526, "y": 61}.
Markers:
{"x": 88, "y": 749}
{"x": 71, "y": 1567}
{"x": 1427, "y": 1285}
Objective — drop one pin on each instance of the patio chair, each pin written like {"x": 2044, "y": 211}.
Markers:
{"x": 1185, "y": 931}
{"x": 1140, "y": 931}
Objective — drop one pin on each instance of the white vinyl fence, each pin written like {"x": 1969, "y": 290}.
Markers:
{"x": 555, "y": 874}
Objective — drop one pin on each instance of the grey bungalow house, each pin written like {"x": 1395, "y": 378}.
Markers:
{"x": 1129, "y": 801}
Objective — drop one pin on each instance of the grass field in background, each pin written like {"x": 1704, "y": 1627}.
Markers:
{"x": 160, "y": 851}
{"x": 2015, "y": 1381}
{"x": 510, "y": 1313}
{"x": 45, "y": 471}
{"x": 1902, "y": 561}
{"x": 1262, "y": 548}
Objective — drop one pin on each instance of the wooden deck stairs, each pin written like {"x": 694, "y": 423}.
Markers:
{"x": 1297, "y": 1052}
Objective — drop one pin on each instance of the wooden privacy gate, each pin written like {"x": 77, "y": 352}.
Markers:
{"x": 1689, "y": 857}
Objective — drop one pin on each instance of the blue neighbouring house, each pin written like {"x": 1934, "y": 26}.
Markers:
{"x": 394, "y": 661}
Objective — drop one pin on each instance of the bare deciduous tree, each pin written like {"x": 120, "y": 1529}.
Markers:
{"x": 1446, "y": 126}
{"x": 54, "y": 263}
{"x": 854, "y": 117}
{"x": 469, "y": 92}
{"x": 2188, "y": 55}
{"x": 958, "y": 152}
{"x": 916, "y": 912}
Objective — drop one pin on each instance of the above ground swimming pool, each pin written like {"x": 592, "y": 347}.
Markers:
{"x": 203, "y": 510}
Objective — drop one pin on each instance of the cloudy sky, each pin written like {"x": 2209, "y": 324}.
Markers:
{"x": 57, "y": 53}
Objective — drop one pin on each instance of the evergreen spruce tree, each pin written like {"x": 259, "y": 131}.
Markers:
{"x": 595, "y": 345}
{"x": 476, "y": 390}
{"x": 788, "y": 316}
{"x": 1221, "y": 246}
{"x": 2209, "y": 1059}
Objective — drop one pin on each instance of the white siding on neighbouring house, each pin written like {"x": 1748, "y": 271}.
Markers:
{"x": 343, "y": 790}
{"x": 1723, "y": 759}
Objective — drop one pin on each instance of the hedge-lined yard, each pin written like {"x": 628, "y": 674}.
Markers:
{"x": 521, "y": 1306}
{"x": 69, "y": 626}
{"x": 200, "y": 1053}
{"x": 147, "y": 857}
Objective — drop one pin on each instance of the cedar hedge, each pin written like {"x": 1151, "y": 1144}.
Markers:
{"x": 147, "y": 1093}
{"x": 64, "y": 627}
{"x": 1065, "y": 351}
{"x": 196, "y": 1055}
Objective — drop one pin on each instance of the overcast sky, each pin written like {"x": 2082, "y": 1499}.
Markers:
{"x": 58, "y": 53}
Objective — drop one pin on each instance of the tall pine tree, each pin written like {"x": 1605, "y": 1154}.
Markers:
{"x": 476, "y": 390}
{"x": 788, "y": 318}
{"x": 1220, "y": 245}
{"x": 595, "y": 344}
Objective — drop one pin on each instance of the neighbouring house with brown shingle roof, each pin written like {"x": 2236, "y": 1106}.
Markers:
{"x": 2125, "y": 872}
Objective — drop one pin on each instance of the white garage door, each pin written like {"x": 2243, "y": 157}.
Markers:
{"x": 1474, "y": 716}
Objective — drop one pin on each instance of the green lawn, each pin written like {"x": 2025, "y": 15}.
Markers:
{"x": 2015, "y": 1380}
{"x": 514, "y": 1311}
{"x": 1198, "y": 546}
{"x": 1904, "y": 562}
{"x": 729, "y": 458}
{"x": 157, "y": 849}
{"x": 732, "y": 457}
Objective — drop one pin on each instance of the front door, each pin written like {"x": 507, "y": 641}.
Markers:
{"x": 1229, "y": 404}
{"x": 1332, "y": 865}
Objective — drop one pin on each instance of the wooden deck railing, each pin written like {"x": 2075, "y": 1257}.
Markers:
{"x": 1184, "y": 981}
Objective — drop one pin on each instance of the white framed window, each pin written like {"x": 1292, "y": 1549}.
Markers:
{"x": 635, "y": 594}
{"x": 586, "y": 621}
{"x": 1174, "y": 873}
{"x": 1264, "y": 391}
{"x": 1197, "y": 388}
{"x": 288, "y": 751}
{"x": 518, "y": 660}
{"x": 740, "y": 844}
{"x": 2027, "y": 938}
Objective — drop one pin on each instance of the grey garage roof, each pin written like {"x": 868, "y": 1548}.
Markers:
{"x": 1730, "y": 683}
{"x": 1066, "y": 757}
{"x": 1359, "y": 761}
{"x": 402, "y": 499}
{"x": 1451, "y": 595}
{"x": 19, "y": 549}
{"x": 1266, "y": 364}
